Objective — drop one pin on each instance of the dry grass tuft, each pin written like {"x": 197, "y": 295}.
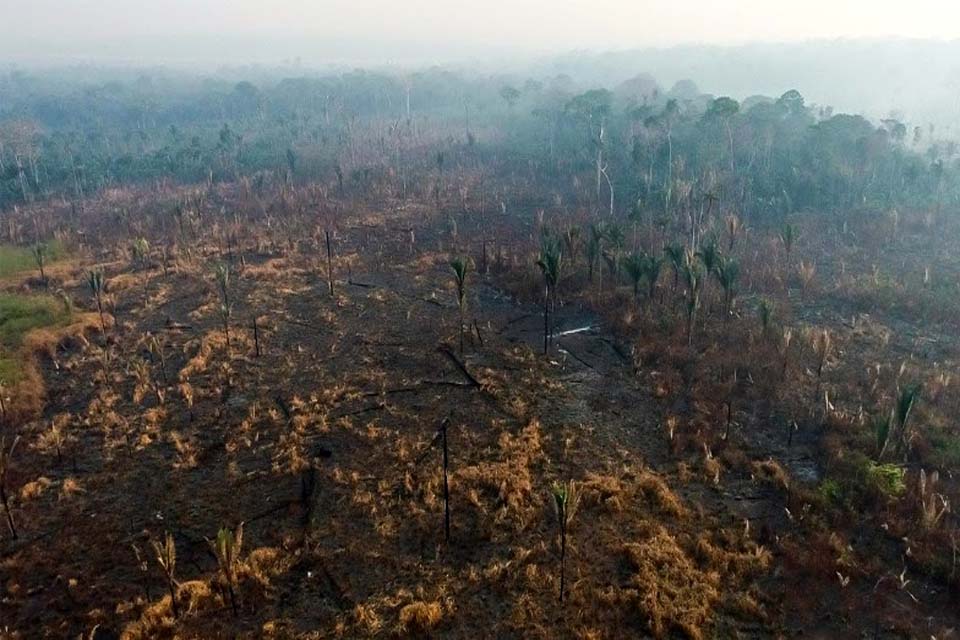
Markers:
{"x": 752, "y": 559}
{"x": 198, "y": 363}
{"x": 668, "y": 588}
{"x": 157, "y": 620}
{"x": 656, "y": 490}
{"x": 771, "y": 471}
{"x": 420, "y": 616}
{"x": 505, "y": 485}
{"x": 365, "y": 617}
{"x": 604, "y": 490}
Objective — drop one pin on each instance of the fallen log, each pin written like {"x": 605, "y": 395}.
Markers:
{"x": 447, "y": 351}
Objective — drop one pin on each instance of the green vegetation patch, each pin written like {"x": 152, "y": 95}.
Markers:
{"x": 888, "y": 479}
{"x": 18, "y": 315}
{"x": 15, "y": 259}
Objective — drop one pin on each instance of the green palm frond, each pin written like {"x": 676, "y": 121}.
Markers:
{"x": 95, "y": 281}
{"x": 460, "y": 267}
{"x": 905, "y": 402}
{"x": 566, "y": 499}
{"x": 551, "y": 261}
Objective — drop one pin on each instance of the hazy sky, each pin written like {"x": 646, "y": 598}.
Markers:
{"x": 358, "y": 31}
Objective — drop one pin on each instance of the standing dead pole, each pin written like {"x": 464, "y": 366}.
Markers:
{"x": 326, "y": 234}
{"x": 446, "y": 486}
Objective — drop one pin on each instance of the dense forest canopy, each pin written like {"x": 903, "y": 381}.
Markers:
{"x": 633, "y": 147}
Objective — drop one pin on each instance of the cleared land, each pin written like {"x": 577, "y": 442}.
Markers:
{"x": 718, "y": 474}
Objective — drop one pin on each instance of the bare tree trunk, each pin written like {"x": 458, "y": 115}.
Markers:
{"x": 36, "y": 174}
{"x": 546, "y": 320}
{"x": 22, "y": 178}
{"x": 173, "y": 599}
{"x": 600, "y": 168}
{"x": 6, "y": 509}
{"x": 609, "y": 186}
{"x": 668, "y": 191}
{"x": 329, "y": 262}
{"x": 563, "y": 553}
{"x": 446, "y": 486}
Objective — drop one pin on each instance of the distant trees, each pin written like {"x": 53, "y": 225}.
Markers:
{"x": 771, "y": 156}
{"x": 722, "y": 110}
{"x": 510, "y": 95}
{"x": 593, "y": 109}
{"x": 20, "y": 146}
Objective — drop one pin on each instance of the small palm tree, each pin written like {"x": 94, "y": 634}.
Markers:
{"x": 905, "y": 403}
{"x": 40, "y": 257}
{"x": 616, "y": 239}
{"x": 140, "y": 250}
{"x": 788, "y": 236}
{"x": 882, "y": 425}
{"x": 166, "y": 555}
{"x": 226, "y": 300}
{"x": 566, "y": 499}
{"x": 460, "y": 267}
{"x": 822, "y": 343}
{"x": 95, "y": 280}
{"x": 675, "y": 254}
{"x": 227, "y": 548}
{"x": 550, "y": 262}
{"x": 635, "y": 265}
{"x": 652, "y": 268}
{"x": 709, "y": 254}
{"x": 728, "y": 271}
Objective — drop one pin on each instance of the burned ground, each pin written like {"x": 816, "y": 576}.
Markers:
{"x": 726, "y": 489}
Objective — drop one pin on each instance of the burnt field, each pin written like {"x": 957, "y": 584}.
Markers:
{"x": 241, "y": 432}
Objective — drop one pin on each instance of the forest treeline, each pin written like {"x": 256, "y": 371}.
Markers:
{"x": 632, "y": 148}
